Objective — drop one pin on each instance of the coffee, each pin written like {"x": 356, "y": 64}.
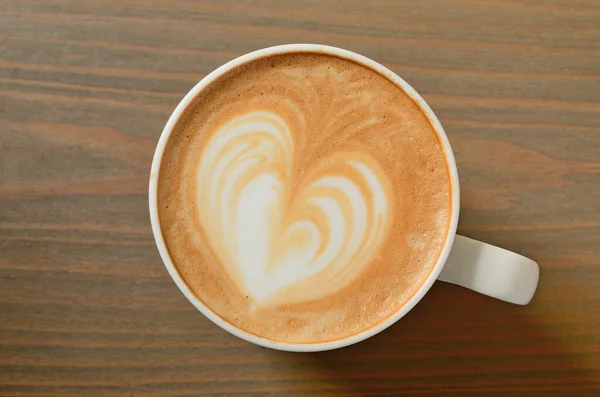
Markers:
{"x": 303, "y": 197}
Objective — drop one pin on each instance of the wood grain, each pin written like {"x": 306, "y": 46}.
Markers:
{"x": 86, "y": 307}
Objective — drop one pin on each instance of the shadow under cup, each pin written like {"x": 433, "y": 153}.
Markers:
{"x": 339, "y": 53}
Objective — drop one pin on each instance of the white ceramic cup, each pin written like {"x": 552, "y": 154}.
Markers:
{"x": 472, "y": 264}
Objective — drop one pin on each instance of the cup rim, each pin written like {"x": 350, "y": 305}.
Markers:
{"x": 344, "y": 54}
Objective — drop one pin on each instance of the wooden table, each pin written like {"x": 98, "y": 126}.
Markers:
{"x": 86, "y": 306}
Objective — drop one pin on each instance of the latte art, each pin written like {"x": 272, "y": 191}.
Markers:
{"x": 284, "y": 243}
{"x": 303, "y": 198}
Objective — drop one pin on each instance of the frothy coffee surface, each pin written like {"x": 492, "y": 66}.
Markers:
{"x": 304, "y": 197}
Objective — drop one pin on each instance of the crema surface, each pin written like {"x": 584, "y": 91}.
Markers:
{"x": 304, "y": 197}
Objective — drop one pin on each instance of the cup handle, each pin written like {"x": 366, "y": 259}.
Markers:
{"x": 491, "y": 271}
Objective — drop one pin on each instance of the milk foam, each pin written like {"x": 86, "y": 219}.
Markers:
{"x": 271, "y": 237}
{"x": 303, "y": 197}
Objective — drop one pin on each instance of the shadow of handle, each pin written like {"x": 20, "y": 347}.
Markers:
{"x": 491, "y": 270}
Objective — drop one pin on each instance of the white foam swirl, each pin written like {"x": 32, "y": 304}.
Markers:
{"x": 282, "y": 245}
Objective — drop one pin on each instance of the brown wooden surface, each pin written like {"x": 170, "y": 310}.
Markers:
{"x": 86, "y": 307}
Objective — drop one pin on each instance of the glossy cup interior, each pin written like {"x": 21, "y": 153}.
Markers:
{"x": 157, "y": 231}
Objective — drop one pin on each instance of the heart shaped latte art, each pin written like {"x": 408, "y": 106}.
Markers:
{"x": 286, "y": 239}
